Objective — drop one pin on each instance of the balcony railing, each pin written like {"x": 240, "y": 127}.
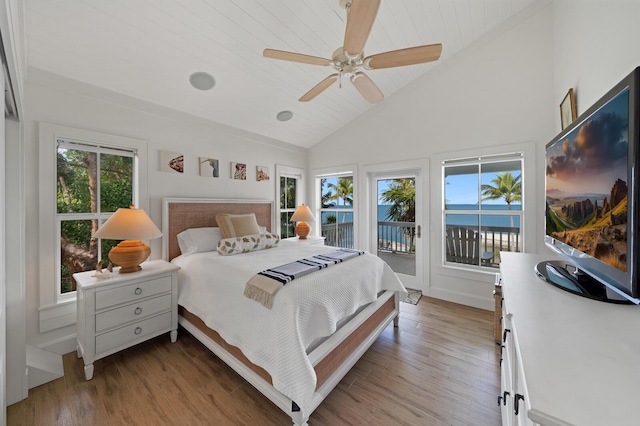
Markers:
{"x": 338, "y": 234}
{"x": 399, "y": 237}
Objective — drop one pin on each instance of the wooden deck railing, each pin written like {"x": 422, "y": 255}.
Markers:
{"x": 493, "y": 239}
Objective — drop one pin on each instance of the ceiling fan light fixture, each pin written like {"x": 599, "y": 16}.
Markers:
{"x": 284, "y": 116}
{"x": 349, "y": 59}
{"x": 202, "y": 80}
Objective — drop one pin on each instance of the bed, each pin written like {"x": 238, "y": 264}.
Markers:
{"x": 324, "y": 360}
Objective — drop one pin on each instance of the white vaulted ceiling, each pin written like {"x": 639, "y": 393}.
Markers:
{"x": 147, "y": 49}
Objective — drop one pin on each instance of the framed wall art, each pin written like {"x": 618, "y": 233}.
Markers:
{"x": 238, "y": 171}
{"x": 568, "y": 111}
{"x": 171, "y": 162}
{"x": 262, "y": 173}
{"x": 209, "y": 167}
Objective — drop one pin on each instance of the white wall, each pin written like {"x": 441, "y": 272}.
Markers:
{"x": 57, "y": 100}
{"x": 497, "y": 92}
{"x": 596, "y": 44}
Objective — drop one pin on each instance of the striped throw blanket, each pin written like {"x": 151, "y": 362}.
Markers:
{"x": 263, "y": 286}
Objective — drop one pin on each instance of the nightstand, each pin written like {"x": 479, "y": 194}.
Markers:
{"x": 310, "y": 240}
{"x": 125, "y": 309}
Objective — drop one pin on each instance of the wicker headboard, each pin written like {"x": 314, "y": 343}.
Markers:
{"x": 179, "y": 214}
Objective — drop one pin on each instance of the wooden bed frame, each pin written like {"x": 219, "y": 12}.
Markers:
{"x": 331, "y": 360}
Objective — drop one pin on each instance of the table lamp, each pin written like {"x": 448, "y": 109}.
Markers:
{"x": 302, "y": 215}
{"x": 131, "y": 225}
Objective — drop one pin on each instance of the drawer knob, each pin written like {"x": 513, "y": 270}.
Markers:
{"x": 138, "y": 310}
{"x": 138, "y": 330}
{"x": 138, "y": 291}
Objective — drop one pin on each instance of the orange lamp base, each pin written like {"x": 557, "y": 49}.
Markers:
{"x": 303, "y": 229}
{"x": 129, "y": 254}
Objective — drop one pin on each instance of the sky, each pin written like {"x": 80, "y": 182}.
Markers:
{"x": 463, "y": 189}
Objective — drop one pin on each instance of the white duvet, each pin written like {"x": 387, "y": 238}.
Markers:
{"x": 211, "y": 286}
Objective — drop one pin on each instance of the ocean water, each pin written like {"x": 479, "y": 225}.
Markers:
{"x": 487, "y": 220}
{"x": 469, "y": 220}
{"x": 453, "y": 219}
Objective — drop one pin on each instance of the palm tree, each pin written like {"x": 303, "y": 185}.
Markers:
{"x": 343, "y": 190}
{"x": 506, "y": 186}
{"x": 325, "y": 198}
{"x": 401, "y": 194}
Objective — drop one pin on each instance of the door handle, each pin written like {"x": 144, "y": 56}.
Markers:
{"x": 419, "y": 228}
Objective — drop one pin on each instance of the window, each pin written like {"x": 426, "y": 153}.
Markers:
{"x": 336, "y": 209}
{"x": 93, "y": 181}
{"x": 288, "y": 204}
{"x": 74, "y": 215}
{"x": 290, "y": 197}
{"x": 482, "y": 209}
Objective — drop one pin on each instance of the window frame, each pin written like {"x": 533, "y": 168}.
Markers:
{"x": 58, "y": 310}
{"x": 100, "y": 216}
{"x": 292, "y": 173}
{"x": 339, "y": 171}
{"x": 478, "y": 161}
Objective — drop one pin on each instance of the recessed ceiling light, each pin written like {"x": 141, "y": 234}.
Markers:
{"x": 202, "y": 80}
{"x": 284, "y": 115}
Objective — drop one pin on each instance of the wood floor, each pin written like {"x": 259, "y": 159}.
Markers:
{"x": 440, "y": 367}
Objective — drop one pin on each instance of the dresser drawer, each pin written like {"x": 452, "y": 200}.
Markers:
{"x": 130, "y": 333}
{"x": 125, "y": 314}
{"x": 130, "y": 293}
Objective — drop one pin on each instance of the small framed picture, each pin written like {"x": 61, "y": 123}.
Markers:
{"x": 238, "y": 171}
{"x": 171, "y": 162}
{"x": 568, "y": 109}
{"x": 262, "y": 173}
{"x": 209, "y": 167}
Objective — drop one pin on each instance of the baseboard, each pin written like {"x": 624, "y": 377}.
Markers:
{"x": 463, "y": 299}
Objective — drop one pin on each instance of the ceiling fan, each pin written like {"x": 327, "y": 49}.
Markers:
{"x": 348, "y": 59}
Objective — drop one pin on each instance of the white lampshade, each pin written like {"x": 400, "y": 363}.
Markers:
{"x": 302, "y": 214}
{"x": 128, "y": 224}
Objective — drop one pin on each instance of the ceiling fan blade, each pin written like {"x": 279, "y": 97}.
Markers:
{"x": 402, "y": 57}
{"x": 360, "y": 19}
{"x": 367, "y": 87}
{"x": 295, "y": 57}
{"x": 319, "y": 88}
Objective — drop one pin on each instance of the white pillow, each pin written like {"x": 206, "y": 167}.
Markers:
{"x": 263, "y": 229}
{"x": 197, "y": 240}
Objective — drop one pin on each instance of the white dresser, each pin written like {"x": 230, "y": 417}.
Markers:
{"x": 126, "y": 309}
{"x": 566, "y": 360}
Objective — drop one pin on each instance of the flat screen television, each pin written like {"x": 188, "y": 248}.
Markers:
{"x": 591, "y": 185}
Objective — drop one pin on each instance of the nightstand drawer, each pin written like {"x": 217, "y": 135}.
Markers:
{"x": 132, "y": 292}
{"x": 125, "y": 335}
{"x": 123, "y": 315}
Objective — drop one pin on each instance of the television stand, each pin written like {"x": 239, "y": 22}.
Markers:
{"x": 577, "y": 282}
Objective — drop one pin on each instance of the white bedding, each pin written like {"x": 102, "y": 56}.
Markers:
{"x": 211, "y": 286}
